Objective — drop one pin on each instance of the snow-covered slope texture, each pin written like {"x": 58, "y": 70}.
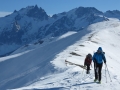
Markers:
{"x": 24, "y": 68}
{"x": 44, "y": 68}
{"x": 31, "y": 23}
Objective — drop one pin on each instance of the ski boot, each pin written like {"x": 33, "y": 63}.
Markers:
{"x": 99, "y": 82}
{"x": 95, "y": 80}
{"x": 88, "y": 72}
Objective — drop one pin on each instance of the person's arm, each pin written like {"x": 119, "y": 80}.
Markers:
{"x": 84, "y": 61}
{"x": 93, "y": 58}
{"x": 104, "y": 58}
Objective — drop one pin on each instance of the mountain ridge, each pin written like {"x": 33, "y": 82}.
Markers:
{"x": 35, "y": 24}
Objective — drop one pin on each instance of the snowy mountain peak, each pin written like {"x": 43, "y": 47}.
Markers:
{"x": 86, "y": 11}
{"x": 33, "y": 12}
{"x": 36, "y": 12}
{"x": 112, "y": 14}
{"x": 15, "y": 11}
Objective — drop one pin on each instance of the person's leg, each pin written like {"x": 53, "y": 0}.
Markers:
{"x": 95, "y": 70}
{"x": 99, "y": 70}
{"x": 88, "y": 68}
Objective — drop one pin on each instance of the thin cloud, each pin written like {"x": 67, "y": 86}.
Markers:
{"x": 2, "y": 14}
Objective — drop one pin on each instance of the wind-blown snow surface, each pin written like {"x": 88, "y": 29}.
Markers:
{"x": 44, "y": 67}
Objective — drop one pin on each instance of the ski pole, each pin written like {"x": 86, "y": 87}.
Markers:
{"x": 105, "y": 74}
{"x": 108, "y": 73}
{"x": 91, "y": 65}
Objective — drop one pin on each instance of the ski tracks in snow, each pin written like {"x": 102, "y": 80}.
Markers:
{"x": 75, "y": 80}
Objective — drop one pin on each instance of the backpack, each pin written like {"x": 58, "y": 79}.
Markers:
{"x": 89, "y": 55}
{"x": 88, "y": 59}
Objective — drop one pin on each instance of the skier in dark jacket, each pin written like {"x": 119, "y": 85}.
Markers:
{"x": 87, "y": 62}
{"x": 98, "y": 59}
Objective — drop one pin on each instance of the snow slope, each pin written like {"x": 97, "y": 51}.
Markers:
{"x": 44, "y": 67}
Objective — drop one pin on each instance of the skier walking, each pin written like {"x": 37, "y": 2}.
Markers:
{"x": 87, "y": 62}
{"x": 98, "y": 59}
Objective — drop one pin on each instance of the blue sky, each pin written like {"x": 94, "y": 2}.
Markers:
{"x": 58, "y": 6}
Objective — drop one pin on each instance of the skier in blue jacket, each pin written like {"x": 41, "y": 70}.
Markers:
{"x": 98, "y": 59}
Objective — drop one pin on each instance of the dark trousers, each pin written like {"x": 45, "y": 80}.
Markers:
{"x": 88, "y": 67}
{"x": 98, "y": 69}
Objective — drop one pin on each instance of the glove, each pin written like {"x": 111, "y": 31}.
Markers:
{"x": 105, "y": 62}
{"x": 94, "y": 61}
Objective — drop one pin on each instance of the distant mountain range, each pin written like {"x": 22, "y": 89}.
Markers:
{"x": 35, "y": 25}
